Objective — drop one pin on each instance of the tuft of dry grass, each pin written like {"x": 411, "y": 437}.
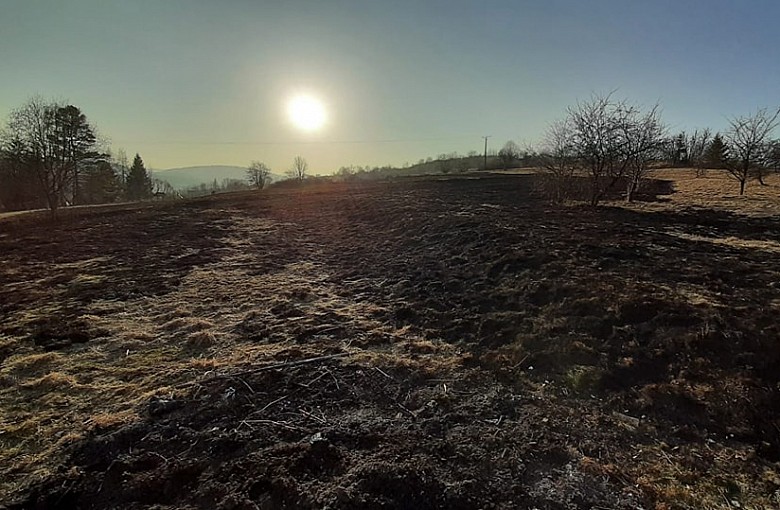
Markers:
{"x": 85, "y": 280}
{"x": 204, "y": 363}
{"x": 201, "y": 339}
{"x": 52, "y": 381}
{"x": 104, "y": 420}
{"x": 768, "y": 246}
{"x": 30, "y": 364}
{"x": 187, "y": 325}
{"x": 143, "y": 336}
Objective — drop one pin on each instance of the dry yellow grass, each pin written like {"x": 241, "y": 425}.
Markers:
{"x": 27, "y": 364}
{"x": 187, "y": 325}
{"x": 148, "y": 349}
{"x": 52, "y": 381}
{"x": 105, "y": 419}
{"x": 201, "y": 339}
{"x": 718, "y": 190}
{"x": 771, "y": 247}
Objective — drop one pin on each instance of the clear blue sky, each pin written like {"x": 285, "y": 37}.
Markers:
{"x": 205, "y": 82}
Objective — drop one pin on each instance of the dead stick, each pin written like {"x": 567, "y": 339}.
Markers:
{"x": 407, "y": 411}
{"x": 282, "y": 424}
{"x": 269, "y": 405}
{"x": 313, "y": 417}
{"x": 382, "y": 372}
{"x": 520, "y": 362}
{"x": 266, "y": 367}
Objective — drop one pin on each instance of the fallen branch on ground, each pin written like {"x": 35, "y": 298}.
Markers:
{"x": 264, "y": 368}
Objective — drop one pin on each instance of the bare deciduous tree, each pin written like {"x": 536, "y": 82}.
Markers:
{"x": 162, "y": 188}
{"x": 121, "y": 165}
{"x": 299, "y": 168}
{"x": 644, "y": 135}
{"x": 445, "y": 163}
{"x": 509, "y": 154}
{"x": 609, "y": 140}
{"x": 748, "y": 140}
{"x": 598, "y": 135}
{"x": 697, "y": 144}
{"x": 558, "y": 159}
{"x": 258, "y": 174}
{"x": 686, "y": 149}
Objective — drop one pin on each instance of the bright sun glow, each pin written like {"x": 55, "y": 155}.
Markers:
{"x": 306, "y": 113}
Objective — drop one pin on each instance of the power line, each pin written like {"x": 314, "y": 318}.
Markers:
{"x": 291, "y": 142}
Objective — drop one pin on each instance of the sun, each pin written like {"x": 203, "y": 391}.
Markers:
{"x": 306, "y": 112}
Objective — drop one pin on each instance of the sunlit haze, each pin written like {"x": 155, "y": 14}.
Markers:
{"x": 200, "y": 82}
{"x": 306, "y": 112}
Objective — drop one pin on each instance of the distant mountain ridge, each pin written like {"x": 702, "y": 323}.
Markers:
{"x": 186, "y": 177}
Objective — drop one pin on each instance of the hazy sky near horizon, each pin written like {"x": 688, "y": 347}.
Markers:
{"x": 195, "y": 82}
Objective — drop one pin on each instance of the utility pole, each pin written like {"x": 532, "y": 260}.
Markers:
{"x": 484, "y": 167}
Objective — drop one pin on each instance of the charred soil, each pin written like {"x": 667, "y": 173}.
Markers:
{"x": 425, "y": 343}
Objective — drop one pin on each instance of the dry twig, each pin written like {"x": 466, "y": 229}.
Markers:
{"x": 264, "y": 368}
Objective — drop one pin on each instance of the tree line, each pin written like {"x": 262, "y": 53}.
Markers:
{"x": 51, "y": 156}
{"x": 610, "y": 142}
{"x": 258, "y": 174}
{"x": 604, "y": 143}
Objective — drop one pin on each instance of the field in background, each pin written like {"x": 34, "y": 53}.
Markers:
{"x": 427, "y": 343}
{"x": 717, "y": 190}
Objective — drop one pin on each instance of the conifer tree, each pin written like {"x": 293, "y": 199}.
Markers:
{"x": 139, "y": 185}
{"x": 716, "y": 153}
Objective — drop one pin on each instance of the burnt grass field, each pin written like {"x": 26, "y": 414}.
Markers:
{"x": 431, "y": 343}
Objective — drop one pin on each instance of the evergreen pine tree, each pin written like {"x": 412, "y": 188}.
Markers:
{"x": 681, "y": 150}
{"x": 139, "y": 185}
{"x": 716, "y": 153}
{"x": 101, "y": 184}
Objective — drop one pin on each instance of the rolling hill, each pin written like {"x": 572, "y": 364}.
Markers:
{"x": 186, "y": 177}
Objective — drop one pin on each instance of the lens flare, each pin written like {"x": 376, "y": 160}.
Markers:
{"x": 306, "y": 112}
